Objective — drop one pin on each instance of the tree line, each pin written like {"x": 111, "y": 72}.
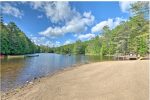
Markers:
{"x": 131, "y": 36}
{"x": 15, "y": 42}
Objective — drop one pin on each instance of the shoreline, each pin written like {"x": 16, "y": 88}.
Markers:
{"x": 30, "y": 85}
{"x": 54, "y": 73}
{"x": 36, "y": 80}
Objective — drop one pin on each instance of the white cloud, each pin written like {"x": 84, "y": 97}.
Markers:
{"x": 87, "y": 14}
{"x": 40, "y": 16}
{"x": 55, "y": 11}
{"x": 8, "y": 9}
{"x": 125, "y": 6}
{"x": 62, "y": 13}
{"x": 68, "y": 42}
{"x": 78, "y": 24}
{"x": 44, "y": 41}
{"x": 117, "y": 21}
{"x": 41, "y": 41}
{"x": 37, "y": 4}
{"x": 111, "y": 23}
{"x": 98, "y": 27}
{"x": 86, "y": 36}
{"x": 5, "y": 23}
{"x": 57, "y": 44}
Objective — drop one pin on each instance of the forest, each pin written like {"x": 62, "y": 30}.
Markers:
{"x": 14, "y": 41}
{"x": 131, "y": 36}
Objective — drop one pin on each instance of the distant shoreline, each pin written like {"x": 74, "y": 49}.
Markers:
{"x": 82, "y": 73}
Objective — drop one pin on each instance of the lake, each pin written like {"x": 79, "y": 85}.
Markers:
{"x": 17, "y": 71}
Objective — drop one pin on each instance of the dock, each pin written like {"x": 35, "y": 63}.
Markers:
{"x": 15, "y": 56}
{"x": 125, "y": 57}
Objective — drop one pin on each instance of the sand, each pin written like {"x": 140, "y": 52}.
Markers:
{"x": 111, "y": 80}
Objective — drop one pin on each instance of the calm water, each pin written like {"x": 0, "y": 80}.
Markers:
{"x": 17, "y": 71}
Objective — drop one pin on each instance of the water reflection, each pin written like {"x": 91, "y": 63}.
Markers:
{"x": 17, "y": 71}
{"x": 10, "y": 70}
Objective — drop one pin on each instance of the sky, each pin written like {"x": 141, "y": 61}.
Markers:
{"x": 60, "y": 23}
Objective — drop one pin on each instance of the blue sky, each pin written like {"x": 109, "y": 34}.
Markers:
{"x": 60, "y": 23}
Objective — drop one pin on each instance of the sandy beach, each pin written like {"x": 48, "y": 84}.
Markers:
{"x": 111, "y": 80}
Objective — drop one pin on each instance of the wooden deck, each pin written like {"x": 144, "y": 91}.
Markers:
{"x": 126, "y": 57}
